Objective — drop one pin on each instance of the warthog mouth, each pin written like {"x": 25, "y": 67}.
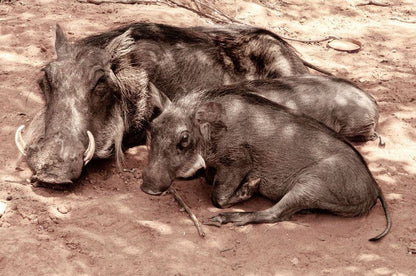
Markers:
{"x": 149, "y": 191}
{"x": 46, "y": 180}
{"x": 88, "y": 154}
{"x": 53, "y": 178}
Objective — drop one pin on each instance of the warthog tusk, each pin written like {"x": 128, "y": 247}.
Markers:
{"x": 89, "y": 153}
{"x": 199, "y": 164}
{"x": 18, "y": 139}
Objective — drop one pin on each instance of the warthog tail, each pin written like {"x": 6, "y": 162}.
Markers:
{"x": 386, "y": 212}
{"x": 316, "y": 68}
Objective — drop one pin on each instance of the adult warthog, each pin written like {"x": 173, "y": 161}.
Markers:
{"x": 96, "y": 91}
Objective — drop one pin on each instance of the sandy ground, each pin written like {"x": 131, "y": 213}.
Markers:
{"x": 105, "y": 225}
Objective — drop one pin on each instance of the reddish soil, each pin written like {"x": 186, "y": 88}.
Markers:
{"x": 105, "y": 225}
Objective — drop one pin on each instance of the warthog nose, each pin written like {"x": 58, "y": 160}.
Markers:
{"x": 149, "y": 191}
{"x": 219, "y": 203}
{"x": 215, "y": 203}
{"x": 146, "y": 188}
{"x": 53, "y": 162}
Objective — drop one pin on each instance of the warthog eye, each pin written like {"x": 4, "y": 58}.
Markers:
{"x": 184, "y": 141}
{"x": 101, "y": 79}
{"x": 98, "y": 88}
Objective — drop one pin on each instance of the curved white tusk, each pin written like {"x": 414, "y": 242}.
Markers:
{"x": 199, "y": 163}
{"x": 89, "y": 153}
{"x": 18, "y": 139}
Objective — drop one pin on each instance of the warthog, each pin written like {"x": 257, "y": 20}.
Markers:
{"x": 96, "y": 91}
{"x": 337, "y": 103}
{"x": 250, "y": 145}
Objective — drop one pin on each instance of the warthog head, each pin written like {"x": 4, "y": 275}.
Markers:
{"x": 174, "y": 144}
{"x": 85, "y": 109}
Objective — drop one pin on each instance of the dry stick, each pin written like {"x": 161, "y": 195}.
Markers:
{"x": 219, "y": 12}
{"x": 196, "y": 5}
{"x": 270, "y": 6}
{"x": 215, "y": 19}
{"x": 15, "y": 182}
{"x": 188, "y": 210}
{"x": 166, "y": 2}
{"x": 331, "y": 37}
{"x": 404, "y": 20}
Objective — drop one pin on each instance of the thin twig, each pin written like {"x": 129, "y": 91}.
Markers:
{"x": 404, "y": 20}
{"x": 213, "y": 18}
{"x": 219, "y": 12}
{"x": 226, "y": 249}
{"x": 15, "y": 182}
{"x": 272, "y": 7}
{"x": 196, "y": 5}
{"x": 172, "y": 3}
{"x": 310, "y": 41}
{"x": 188, "y": 210}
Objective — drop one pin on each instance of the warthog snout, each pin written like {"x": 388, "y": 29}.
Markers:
{"x": 155, "y": 180}
{"x": 55, "y": 160}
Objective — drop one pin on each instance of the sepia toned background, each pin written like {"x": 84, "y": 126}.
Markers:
{"x": 105, "y": 225}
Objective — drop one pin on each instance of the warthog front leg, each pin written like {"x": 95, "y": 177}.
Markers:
{"x": 283, "y": 210}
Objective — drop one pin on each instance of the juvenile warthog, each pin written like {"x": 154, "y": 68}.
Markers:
{"x": 96, "y": 92}
{"x": 253, "y": 145}
{"x": 337, "y": 103}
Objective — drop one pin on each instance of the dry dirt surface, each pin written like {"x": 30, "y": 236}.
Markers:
{"x": 105, "y": 225}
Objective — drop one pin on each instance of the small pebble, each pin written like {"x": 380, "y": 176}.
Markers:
{"x": 295, "y": 261}
{"x": 411, "y": 248}
{"x": 9, "y": 197}
{"x": 63, "y": 210}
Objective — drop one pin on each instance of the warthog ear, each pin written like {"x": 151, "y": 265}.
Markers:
{"x": 208, "y": 118}
{"x": 61, "y": 44}
{"x": 120, "y": 46}
{"x": 157, "y": 98}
